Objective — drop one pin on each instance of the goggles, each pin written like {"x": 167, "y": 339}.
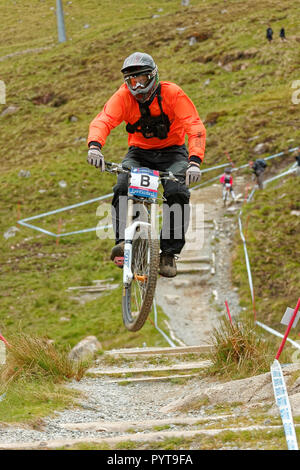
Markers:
{"x": 141, "y": 80}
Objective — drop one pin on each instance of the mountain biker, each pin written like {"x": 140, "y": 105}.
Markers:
{"x": 258, "y": 168}
{"x": 158, "y": 115}
{"x": 226, "y": 179}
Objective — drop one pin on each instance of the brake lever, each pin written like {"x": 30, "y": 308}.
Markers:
{"x": 170, "y": 177}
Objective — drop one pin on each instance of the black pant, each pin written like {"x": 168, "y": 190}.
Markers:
{"x": 173, "y": 159}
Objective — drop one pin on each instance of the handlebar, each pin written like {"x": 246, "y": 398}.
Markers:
{"x": 118, "y": 168}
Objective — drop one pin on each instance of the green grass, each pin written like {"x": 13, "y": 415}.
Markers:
{"x": 31, "y": 378}
{"x": 238, "y": 351}
{"x": 78, "y": 77}
{"x": 254, "y": 440}
{"x": 27, "y": 401}
{"x": 272, "y": 236}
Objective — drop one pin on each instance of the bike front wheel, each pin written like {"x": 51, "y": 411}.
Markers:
{"x": 138, "y": 296}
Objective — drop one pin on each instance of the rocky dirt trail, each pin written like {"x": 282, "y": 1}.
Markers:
{"x": 196, "y": 298}
{"x": 147, "y": 395}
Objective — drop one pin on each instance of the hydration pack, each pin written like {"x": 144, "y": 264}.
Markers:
{"x": 151, "y": 126}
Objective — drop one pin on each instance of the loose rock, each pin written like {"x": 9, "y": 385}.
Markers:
{"x": 86, "y": 348}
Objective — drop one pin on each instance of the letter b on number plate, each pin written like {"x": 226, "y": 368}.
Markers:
{"x": 144, "y": 182}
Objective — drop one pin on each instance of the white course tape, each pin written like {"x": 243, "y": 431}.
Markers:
{"x": 283, "y": 403}
{"x": 267, "y": 328}
{"x": 251, "y": 194}
{"x": 2, "y": 353}
{"x": 291, "y": 170}
{"x": 24, "y": 222}
{"x": 158, "y": 329}
{"x": 246, "y": 258}
{"x": 276, "y": 333}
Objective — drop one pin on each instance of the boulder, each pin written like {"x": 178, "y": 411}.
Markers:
{"x": 85, "y": 349}
{"x": 260, "y": 148}
{"x": 11, "y": 232}
{"x": 250, "y": 391}
{"x": 9, "y": 110}
{"x": 24, "y": 173}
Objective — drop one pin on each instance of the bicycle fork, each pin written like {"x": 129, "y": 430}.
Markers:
{"x": 131, "y": 228}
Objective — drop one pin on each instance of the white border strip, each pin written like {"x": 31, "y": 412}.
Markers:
{"x": 283, "y": 403}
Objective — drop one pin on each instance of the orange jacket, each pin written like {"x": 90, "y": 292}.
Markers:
{"x": 183, "y": 116}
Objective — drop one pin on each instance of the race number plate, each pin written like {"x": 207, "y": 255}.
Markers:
{"x": 144, "y": 182}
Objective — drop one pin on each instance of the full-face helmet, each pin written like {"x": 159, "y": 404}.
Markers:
{"x": 140, "y": 75}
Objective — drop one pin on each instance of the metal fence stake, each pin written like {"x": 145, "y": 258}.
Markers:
{"x": 60, "y": 21}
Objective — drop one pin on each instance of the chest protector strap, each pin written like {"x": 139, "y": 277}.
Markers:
{"x": 151, "y": 126}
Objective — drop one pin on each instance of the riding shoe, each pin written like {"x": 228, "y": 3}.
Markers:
{"x": 167, "y": 265}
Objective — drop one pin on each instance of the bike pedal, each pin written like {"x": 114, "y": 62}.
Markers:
{"x": 119, "y": 261}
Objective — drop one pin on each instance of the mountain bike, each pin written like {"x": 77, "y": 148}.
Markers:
{"x": 141, "y": 250}
{"x": 226, "y": 192}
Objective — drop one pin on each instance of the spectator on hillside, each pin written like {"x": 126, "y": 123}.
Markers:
{"x": 282, "y": 34}
{"x": 269, "y": 34}
{"x": 258, "y": 168}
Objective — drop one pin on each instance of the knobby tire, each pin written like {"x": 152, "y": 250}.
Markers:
{"x": 134, "y": 316}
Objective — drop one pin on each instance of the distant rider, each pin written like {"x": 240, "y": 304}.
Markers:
{"x": 158, "y": 116}
{"x": 227, "y": 182}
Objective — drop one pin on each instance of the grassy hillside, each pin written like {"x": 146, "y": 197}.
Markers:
{"x": 58, "y": 88}
{"x": 272, "y": 231}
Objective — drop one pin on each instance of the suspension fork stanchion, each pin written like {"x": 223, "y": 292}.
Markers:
{"x": 153, "y": 211}
{"x": 129, "y": 212}
{"x": 129, "y": 235}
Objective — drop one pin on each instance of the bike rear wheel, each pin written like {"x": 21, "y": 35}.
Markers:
{"x": 138, "y": 296}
